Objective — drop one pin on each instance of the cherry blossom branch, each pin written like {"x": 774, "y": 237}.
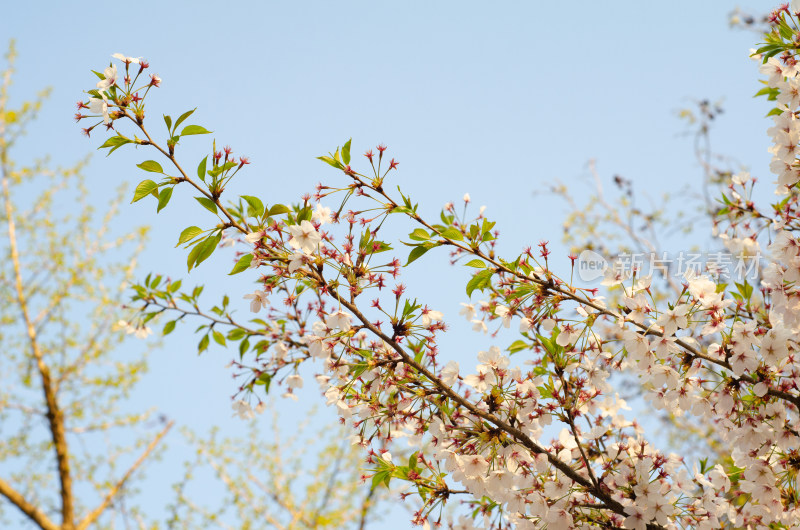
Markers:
{"x": 447, "y": 391}
{"x": 185, "y": 178}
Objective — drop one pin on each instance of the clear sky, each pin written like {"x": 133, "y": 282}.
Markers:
{"x": 495, "y": 99}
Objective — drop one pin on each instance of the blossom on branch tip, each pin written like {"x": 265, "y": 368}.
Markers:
{"x": 504, "y": 313}
{"x": 429, "y": 317}
{"x": 100, "y": 106}
{"x": 322, "y": 214}
{"x": 294, "y": 381}
{"x": 243, "y": 410}
{"x": 296, "y": 261}
{"x": 449, "y": 374}
{"x": 258, "y": 299}
{"x": 254, "y": 237}
{"x": 339, "y": 319}
{"x": 305, "y": 237}
{"x": 127, "y": 60}
{"x": 109, "y": 78}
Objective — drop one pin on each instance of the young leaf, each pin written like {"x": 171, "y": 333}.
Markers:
{"x": 480, "y": 281}
{"x": 163, "y": 198}
{"x": 150, "y": 165}
{"x": 346, "y": 152}
{"x": 236, "y": 334}
{"x": 194, "y": 129}
{"x": 207, "y": 247}
{"x": 144, "y": 188}
{"x": 518, "y": 345}
{"x": 242, "y": 264}
{"x": 256, "y": 207}
{"x": 331, "y": 161}
{"x": 452, "y": 233}
{"x": 168, "y": 327}
{"x": 203, "y": 345}
{"x": 168, "y": 121}
{"x": 419, "y": 234}
{"x": 188, "y": 234}
{"x": 417, "y": 253}
{"x": 115, "y": 142}
{"x": 265, "y": 379}
{"x": 207, "y": 203}
{"x": 219, "y": 338}
{"x": 201, "y": 169}
{"x": 478, "y": 264}
{"x": 277, "y": 209}
{"x": 184, "y": 116}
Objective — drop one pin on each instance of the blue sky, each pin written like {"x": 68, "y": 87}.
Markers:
{"x": 498, "y": 100}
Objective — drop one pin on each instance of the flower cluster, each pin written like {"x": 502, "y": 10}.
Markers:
{"x": 536, "y": 435}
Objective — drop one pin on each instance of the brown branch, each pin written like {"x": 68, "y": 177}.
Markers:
{"x": 368, "y": 503}
{"x": 92, "y": 516}
{"x": 55, "y": 416}
{"x": 444, "y": 389}
{"x": 33, "y": 513}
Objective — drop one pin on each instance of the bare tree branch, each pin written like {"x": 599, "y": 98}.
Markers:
{"x": 97, "y": 512}
{"x": 33, "y": 513}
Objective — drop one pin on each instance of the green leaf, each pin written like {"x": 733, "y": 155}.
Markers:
{"x": 346, "y": 152}
{"x": 264, "y": 379}
{"x": 242, "y": 264}
{"x": 194, "y": 129}
{"x": 163, "y": 198}
{"x": 478, "y": 264}
{"x": 278, "y": 209}
{"x": 201, "y": 169}
{"x": 168, "y": 121}
{"x": 203, "y": 345}
{"x": 480, "y": 281}
{"x": 189, "y": 233}
{"x": 304, "y": 214}
{"x": 518, "y": 345}
{"x": 452, "y": 233}
{"x": 771, "y": 53}
{"x": 184, "y": 116}
{"x": 205, "y": 249}
{"x": 115, "y": 142}
{"x": 419, "y": 234}
{"x": 331, "y": 161}
{"x": 417, "y": 253}
{"x": 243, "y": 347}
{"x": 256, "y": 207}
{"x": 381, "y": 476}
{"x": 207, "y": 203}
{"x": 145, "y": 187}
{"x": 375, "y": 247}
{"x": 767, "y": 48}
{"x": 168, "y": 327}
{"x": 219, "y": 338}
{"x": 221, "y": 169}
{"x": 150, "y": 165}
{"x": 236, "y": 334}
